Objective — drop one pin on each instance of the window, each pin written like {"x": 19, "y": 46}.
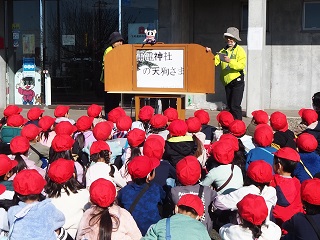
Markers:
{"x": 311, "y": 17}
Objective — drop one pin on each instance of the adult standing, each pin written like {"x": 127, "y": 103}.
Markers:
{"x": 232, "y": 59}
{"x": 111, "y": 100}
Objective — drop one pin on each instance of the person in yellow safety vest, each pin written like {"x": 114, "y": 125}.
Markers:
{"x": 111, "y": 100}
{"x": 232, "y": 60}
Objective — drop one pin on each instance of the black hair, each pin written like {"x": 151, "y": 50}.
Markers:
{"x": 45, "y": 134}
{"x": 33, "y": 197}
{"x": 248, "y": 181}
{"x": 141, "y": 181}
{"x": 53, "y": 189}
{"x": 105, "y": 155}
{"x": 188, "y": 209}
{"x": 105, "y": 219}
{"x": 21, "y": 163}
{"x": 157, "y": 130}
{"x": 255, "y": 229}
{"x": 135, "y": 152}
{"x": 53, "y": 155}
{"x": 80, "y": 139}
{"x": 311, "y": 209}
{"x": 240, "y": 158}
{"x": 316, "y": 101}
{"x": 288, "y": 165}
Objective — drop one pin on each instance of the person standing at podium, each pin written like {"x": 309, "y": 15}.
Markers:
{"x": 232, "y": 59}
{"x": 111, "y": 100}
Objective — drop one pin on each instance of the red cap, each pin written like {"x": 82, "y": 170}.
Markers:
{"x": 288, "y": 153}
{"x": 2, "y": 188}
{"x": 310, "y": 191}
{"x": 307, "y": 142}
{"x": 308, "y": 115}
{"x": 263, "y": 135}
{"x": 102, "y": 192}
{"x": 99, "y": 146}
{"x": 6, "y": 164}
{"x": 193, "y": 201}
{"x": 136, "y": 137}
{"x": 171, "y": 114}
{"x": 278, "y": 121}
{"x": 146, "y": 113}
{"x": 46, "y": 122}
{"x": 19, "y": 144}
{"x": 222, "y": 151}
{"x": 260, "y": 171}
{"x": 203, "y": 116}
{"x": 30, "y": 131}
{"x": 253, "y": 208}
{"x": 158, "y": 137}
{"x": 124, "y": 123}
{"x": 84, "y": 123}
{"x": 115, "y": 113}
{"x": 28, "y": 181}
{"x": 102, "y": 131}
{"x": 16, "y": 120}
{"x": 141, "y": 166}
{"x": 194, "y": 124}
{"x": 61, "y": 170}
{"x": 94, "y": 110}
{"x": 232, "y": 139}
{"x": 65, "y": 127}
{"x": 178, "y": 128}
{"x": 158, "y": 121}
{"x": 225, "y": 118}
{"x": 34, "y": 113}
{"x": 237, "y": 128}
{"x": 260, "y": 116}
{"x": 11, "y": 110}
{"x": 61, "y": 111}
{"x": 188, "y": 170}
{"x": 61, "y": 143}
{"x": 153, "y": 147}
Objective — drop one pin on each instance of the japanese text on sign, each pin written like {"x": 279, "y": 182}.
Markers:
{"x": 160, "y": 68}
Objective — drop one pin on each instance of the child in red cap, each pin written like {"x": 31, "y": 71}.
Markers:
{"x": 61, "y": 113}
{"x": 207, "y": 129}
{"x": 258, "y": 117}
{"x": 262, "y": 138}
{"x": 20, "y": 148}
{"x": 66, "y": 193}
{"x": 309, "y": 164}
{"x": 38, "y": 218}
{"x": 259, "y": 175}
{"x": 303, "y": 225}
{"x": 95, "y": 111}
{"x": 141, "y": 197}
{"x": 225, "y": 177}
{"x": 179, "y": 144}
{"x": 309, "y": 116}
{"x": 37, "y": 152}
{"x": 47, "y": 133}
{"x": 12, "y": 128}
{"x": 184, "y": 224}
{"x": 101, "y": 167}
{"x": 158, "y": 125}
{"x": 287, "y": 187}
{"x": 188, "y": 174}
{"x": 253, "y": 212}
{"x": 34, "y": 115}
{"x": 283, "y": 136}
{"x": 105, "y": 219}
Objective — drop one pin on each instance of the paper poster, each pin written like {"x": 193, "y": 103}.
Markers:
{"x": 28, "y": 43}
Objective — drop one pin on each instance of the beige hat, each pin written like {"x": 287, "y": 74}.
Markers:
{"x": 232, "y": 32}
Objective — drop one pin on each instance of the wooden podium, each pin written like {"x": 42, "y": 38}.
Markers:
{"x": 160, "y": 71}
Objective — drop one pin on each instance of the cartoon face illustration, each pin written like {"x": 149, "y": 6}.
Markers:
{"x": 25, "y": 87}
{"x": 150, "y": 36}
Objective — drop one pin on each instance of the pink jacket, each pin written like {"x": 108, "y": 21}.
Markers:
{"x": 128, "y": 229}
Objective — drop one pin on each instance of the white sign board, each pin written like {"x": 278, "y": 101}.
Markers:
{"x": 68, "y": 40}
{"x": 160, "y": 68}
